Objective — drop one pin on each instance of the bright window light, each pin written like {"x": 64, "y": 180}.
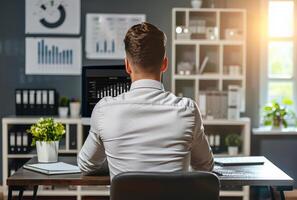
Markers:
{"x": 280, "y": 90}
{"x": 280, "y": 59}
{"x": 281, "y": 18}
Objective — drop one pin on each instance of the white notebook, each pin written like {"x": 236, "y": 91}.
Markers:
{"x": 53, "y": 168}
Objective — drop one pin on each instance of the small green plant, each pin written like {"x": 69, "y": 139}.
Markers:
{"x": 275, "y": 114}
{"x": 233, "y": 140}
{"x": 46, "y": 130}
{"x": 64, "y": 102}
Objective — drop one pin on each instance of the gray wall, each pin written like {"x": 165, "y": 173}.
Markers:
{"x": 12, "y": 40}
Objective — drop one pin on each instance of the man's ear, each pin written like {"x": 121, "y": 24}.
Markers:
{"x": 164, "y": 64}
{"x": 127, "y": 65}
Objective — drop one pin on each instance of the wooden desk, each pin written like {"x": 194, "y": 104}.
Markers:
{"x": 256, "y": 175}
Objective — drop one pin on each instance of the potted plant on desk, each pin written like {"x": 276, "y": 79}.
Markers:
{"x": 63, "y": 107}
{"x": 233, "y": 142}
{"x": 46, "y": 134}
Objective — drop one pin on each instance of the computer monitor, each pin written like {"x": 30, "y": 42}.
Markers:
{"x": 102, "y": 81}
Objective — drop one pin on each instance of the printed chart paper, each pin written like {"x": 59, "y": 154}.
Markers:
{"x": 105, "y": 34}
{"x": 53, "y": 56}
{"x": 53, "y": 16}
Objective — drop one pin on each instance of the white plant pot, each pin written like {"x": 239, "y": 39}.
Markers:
{"x": 63, "y": 111}
{"x": 74, "y": 109}
{"x": 196, "y": 3}
{"x": 233, "y": 150}
{"x": 47, "y": 151}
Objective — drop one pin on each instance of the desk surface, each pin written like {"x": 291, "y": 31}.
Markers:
{"x": 24, "y": 177}
{"x": 255, "y": 175}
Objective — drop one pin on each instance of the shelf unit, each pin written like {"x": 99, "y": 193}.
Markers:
{"x": 224, "y": 127}
{"x": 223, "y": 53}
{"x": 74, "y": 127}
{"x": 191, "y": 44}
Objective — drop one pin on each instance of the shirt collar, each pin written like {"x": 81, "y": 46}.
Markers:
{"x": 147, "y": 83}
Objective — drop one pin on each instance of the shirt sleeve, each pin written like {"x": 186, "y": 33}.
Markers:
{"x": 201, "y": 154}
{"x": 92, "y": 155}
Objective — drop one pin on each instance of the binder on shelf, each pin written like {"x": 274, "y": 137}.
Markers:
{"x": 72, "y": 136}
{"x": 51, "y": 101}
{"x": 38, "y": 101}
{"x": 12, "y": 142}
{"x": 234, "y": 99}
{"x": 18, "y": 101}
{"x": 25, "y": 142}
{"x": 25, "y": 101}
{"x": 19, "y": 142}
{"x": 44, "y": 101}
{"x": 32, "y": 101}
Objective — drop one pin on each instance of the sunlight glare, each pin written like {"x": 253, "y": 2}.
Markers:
{"x": 281, "y": 16}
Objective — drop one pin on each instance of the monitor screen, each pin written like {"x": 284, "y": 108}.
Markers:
{"x": 102, "y": 81}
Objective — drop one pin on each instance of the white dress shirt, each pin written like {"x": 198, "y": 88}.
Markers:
{"x": 146, "y": 129}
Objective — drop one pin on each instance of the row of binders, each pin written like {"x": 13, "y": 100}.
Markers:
{"x": 36, "y": 102}
{"x": 19, "y": 142}
{"x": 221, "y": 104}
{"x": 213, "y": 104}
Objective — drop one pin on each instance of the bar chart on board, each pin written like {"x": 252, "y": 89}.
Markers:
{"x": 102, "y": 47}
{"x": 105, "y": 34}
{"x": 53, "y": 56}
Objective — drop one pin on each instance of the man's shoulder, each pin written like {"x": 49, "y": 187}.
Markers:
{"x": 107, "y": 101}
{"x": 164, "y": 98}
{"x": 180, "y": 101}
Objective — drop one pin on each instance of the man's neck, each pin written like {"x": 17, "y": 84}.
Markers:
{"x": 146, "y": 76}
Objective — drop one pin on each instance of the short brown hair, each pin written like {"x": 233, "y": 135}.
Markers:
{"x": 145, "y": 46}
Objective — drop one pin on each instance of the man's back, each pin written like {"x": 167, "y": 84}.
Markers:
{"x": 146, "y": 129}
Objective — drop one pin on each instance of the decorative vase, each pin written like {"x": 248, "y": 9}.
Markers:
{"x": 63, "y": 112}
{"x": 233, "y": 150}
{"x": 74, "y": 109}
{"x": 196, "y": 3}
{"x": 47, "y": 151}
{"x": 277, "y": 122}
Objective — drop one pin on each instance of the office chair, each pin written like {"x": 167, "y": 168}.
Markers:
{"x": 165, "y": 186}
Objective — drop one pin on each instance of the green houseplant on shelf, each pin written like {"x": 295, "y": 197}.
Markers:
{"x": 276, "y": 114}
{"x": 233, "y": 142}
{"x": 46, "y": 134}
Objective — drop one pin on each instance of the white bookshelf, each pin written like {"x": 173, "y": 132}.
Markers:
{"x": 222, "y": 53}
{"x": 225, "y": 52}
{"x": 78, "y": 192}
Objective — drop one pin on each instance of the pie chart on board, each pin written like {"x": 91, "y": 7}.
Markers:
{"x": 52, "y": 16}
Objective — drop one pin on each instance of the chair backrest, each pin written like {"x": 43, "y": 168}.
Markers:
{"x": 165, "y": 186}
